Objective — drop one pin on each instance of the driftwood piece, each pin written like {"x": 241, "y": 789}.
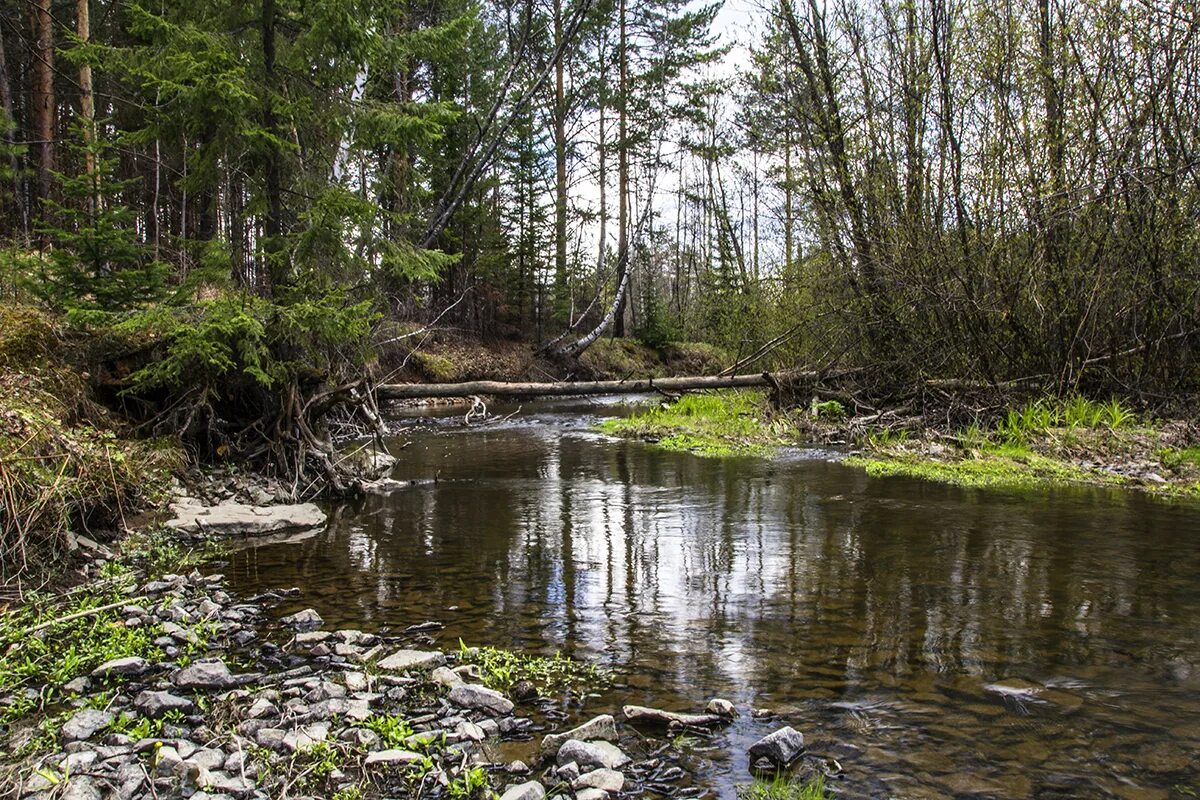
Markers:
{"x": 405, "y": 391}
{"x": 671, "y": 719}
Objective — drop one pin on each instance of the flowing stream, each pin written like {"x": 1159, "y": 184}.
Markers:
{"x": 937, "y": 642}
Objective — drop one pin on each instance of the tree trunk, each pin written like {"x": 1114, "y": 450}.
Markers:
{"x": 6, "y": 106}
{"x": 44, "y": 110}
{"x": 560, "y": 165}
{"x": 622, "y": 179}
{"x": 276, "y": 271}
{"x": 87, "y": 102}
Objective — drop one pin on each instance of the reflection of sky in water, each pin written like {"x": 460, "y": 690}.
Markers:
{"x": 903, "y": 623}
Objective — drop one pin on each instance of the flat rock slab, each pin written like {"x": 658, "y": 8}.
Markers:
{"x": 232, "y": 519}
{"x": 84, "y": 724}
{"x": 205, "y": 675}
{"x": 601, "y": 727}
{"x": 480, "y": 698}
{"x": 598, "y": 755}
{"x": 411, "y": 659}
{"x": 532, "y": 790}
{"x": 392, "y": 758}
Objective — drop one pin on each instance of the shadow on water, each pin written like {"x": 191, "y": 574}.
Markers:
{"x": 937, "y": 642}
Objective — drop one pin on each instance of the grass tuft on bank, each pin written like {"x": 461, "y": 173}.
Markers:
{"x": 715, "y": 424}
{"x": 1045, "y": 442}
{"x": 784, "y": 787}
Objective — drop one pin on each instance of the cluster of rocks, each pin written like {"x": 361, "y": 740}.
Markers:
{"x": 226, "y": 713}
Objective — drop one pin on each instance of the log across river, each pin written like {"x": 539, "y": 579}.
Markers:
{"x": 407, "y": 391}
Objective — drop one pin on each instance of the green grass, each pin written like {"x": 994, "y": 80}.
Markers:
{"x": 392, "y": 729}
{"x": 1020, "y": 425}
{"x": 552, "y": 675}
{"x": 1005, "y": 466}
{"x": 784, "y": 787}
{"x": 49, "y": 657}
{"x": 722, "y": 423}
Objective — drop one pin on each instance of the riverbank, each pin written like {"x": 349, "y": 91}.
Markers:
{"x": 155, "y": 681}
{"x": 1039, "y": 443}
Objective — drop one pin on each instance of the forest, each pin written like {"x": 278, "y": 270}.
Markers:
{"x": 238, "y": 219}
{"x": 634, "y": 386}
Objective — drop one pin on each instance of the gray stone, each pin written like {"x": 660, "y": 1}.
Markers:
{"x": 168, "y": 762}
{"x": 77, "y": 686}
{"x": 366, "y": 739}
{"x": 446, "y": 677}
{"x": 480, "y": 698}
{"x": 780, "y": 748}
{"x": 270, "y": 738}
{"x": 309, "y": 638}
{"x": 238, "y": 518}
{"x": 591, "y": 794}
{"x": 530, "y": 790}
{"x": 568, "y": 771}
{"x": 227, "y": 784}
{"x": 358, "y": 681}
{"x": 262, "y": 707}
{"x": 721, "y": 707}
{"x": 155, "y": 704}
{"x": 303, "y": 621}
{"x": 592, "y": 754}
{"x": 205, "y": 675}
{"x": 306, "y": 738}
{"x": 207, "y": 758}
{"x": 85, "y": 723}
{"x": 133, "y": 665}
{"x": 80, "y": 788}
{"x": 601, "y": 727}
{"x": 391, "y": 758}
{"x": 412, "y": 659}
{"x": 469, "y": 731}
{"x": 607, "y": 779}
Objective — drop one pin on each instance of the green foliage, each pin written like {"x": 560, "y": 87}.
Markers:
{"x": 40, "y": 648}
{"x": 1006, "y": 466}
{"x": 784, "y": 787}
{"x": 471, "y": 783}
{"x": 1181, "y": 458}
{"x": 656, "y": 327}
{"x": 98, "y": 261}
{"x": 238, "y": 335}
{"x": 715, "y": 424}
{"x": 392, "y": 729}
{"x": 1020, "y": 424}
{"x": 550, "y": 676}
{"x": 831, "y": 410}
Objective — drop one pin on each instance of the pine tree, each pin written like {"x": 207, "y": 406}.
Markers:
{"x": 98, "y": 261}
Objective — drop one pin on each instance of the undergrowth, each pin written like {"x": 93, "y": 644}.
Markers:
{"x": 721, "y": 423}
{"x": 784, "y": 787}
{"x": 1043, "y": 442}
{"x": 554, "y": 675}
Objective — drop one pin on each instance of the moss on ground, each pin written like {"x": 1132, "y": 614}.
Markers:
{"x": 716, "y": 424}
{"x": 1048, "y": 442}
{"x": 1001, "y": 468}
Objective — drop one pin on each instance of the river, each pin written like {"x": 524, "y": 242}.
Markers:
{"x": 936, "y": 642}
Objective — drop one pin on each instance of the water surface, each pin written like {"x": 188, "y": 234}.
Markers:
{"x": 937, "y": 642}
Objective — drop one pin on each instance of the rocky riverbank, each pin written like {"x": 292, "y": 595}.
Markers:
{"x": 200, "y": 694}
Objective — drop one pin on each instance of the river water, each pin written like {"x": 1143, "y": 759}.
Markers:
{"x": 937, "y": 642}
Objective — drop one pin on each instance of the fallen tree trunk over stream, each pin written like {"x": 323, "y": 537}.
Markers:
{"x": 408, "y": 391}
